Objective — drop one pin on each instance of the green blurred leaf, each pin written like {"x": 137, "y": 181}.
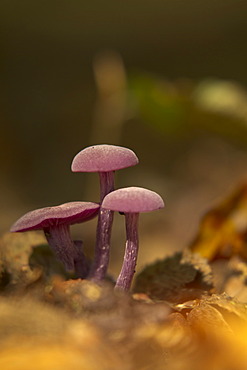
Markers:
{"x": 158, "y": 103}
{"x": 217, "y": 107}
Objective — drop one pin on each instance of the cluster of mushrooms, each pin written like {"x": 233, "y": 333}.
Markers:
{"x": 55, "y": 221}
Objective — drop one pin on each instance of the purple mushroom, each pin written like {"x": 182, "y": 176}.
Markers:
{"x": 131, "y": 201}
{"x": 55, "y": 222}
{"x": 104, "y": 159}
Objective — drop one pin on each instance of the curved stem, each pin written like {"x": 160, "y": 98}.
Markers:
{"x": 103, "y": 234}
{"x": 131, "y": 251}
{"x": 60, "y": 241}
{"x": 102, "y": 248}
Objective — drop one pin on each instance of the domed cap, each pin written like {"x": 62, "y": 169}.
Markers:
{"x": 133, "y": 200}
{"x": 66, "y": 214}
{"x": 103, "y": 158}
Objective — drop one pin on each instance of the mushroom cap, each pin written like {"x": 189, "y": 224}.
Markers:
{"x": 103, "y": 158}
{"x": 133, "y": 200}
{"x": 66, "y": 214}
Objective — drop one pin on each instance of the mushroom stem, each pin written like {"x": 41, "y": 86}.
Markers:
{"x": 106, "y": 183}
{"x": 103, "y": 234}
{"x": 80, "y": 261}
{"x": 131, "y": 251}
{"x": 60, "y": 241}
{"x": 102, "y": 247}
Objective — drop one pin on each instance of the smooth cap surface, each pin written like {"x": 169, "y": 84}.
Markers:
{"x": 103, "y": 158}
{"x": 133, "y": 200}
{"x": 67, "y": 213}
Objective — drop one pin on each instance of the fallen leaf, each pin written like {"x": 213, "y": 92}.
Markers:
{"x": 223, "y": 230}
{"x": 177, "y": 278}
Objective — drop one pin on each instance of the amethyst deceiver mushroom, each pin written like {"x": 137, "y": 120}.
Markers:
{"x": 104, "y": 159}
{"x": 55, "y": 222}
{"x": 131, "y": 201}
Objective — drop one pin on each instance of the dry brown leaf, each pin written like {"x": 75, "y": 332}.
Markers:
{"x": 204, "y": 318}
{"x": 223, "y": 230}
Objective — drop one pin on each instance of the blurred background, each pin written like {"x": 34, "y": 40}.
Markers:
{"x": 165, "y": 78}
